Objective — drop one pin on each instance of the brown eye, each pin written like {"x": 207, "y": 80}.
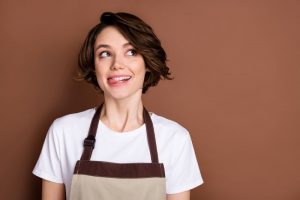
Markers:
{"x": 131, "y": 52}
{"x": 104, "y": 54}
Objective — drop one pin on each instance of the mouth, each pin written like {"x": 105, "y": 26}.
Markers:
{"x": 118, "y": 79}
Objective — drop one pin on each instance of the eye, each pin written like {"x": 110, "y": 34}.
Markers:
{"x": 104, "y": 54}
{"x": 131, "y": 52}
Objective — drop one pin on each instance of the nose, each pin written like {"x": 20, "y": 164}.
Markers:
{"x": 118, "y": 63}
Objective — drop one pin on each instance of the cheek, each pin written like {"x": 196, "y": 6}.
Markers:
{"x": 100, "y": 77}
{"x": 100, "y": 68}
{"x": 140, "y": 67}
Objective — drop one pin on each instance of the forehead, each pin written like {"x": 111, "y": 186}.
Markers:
{"x": 110, "y": 36}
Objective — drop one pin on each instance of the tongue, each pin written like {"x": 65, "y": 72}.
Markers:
{"x": 114, "y": 81}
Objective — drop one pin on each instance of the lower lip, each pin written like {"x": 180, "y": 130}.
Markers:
{"x": 115, "y": 83}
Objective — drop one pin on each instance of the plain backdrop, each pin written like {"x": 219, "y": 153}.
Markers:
{"x": 236, "y": 89}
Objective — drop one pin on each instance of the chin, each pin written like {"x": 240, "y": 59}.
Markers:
{"x": 121, "y": 95}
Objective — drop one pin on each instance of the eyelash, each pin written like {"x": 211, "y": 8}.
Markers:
{"x": 134, "y": 53}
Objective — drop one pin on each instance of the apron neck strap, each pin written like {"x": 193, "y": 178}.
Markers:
{"x": 150, "y": 136}
{"x": 89, "y": 142}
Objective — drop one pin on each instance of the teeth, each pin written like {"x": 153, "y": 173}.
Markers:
{"x": 121, "y": 78}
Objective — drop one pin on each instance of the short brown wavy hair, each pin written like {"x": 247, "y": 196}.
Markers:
{"x": 140, "y": 35}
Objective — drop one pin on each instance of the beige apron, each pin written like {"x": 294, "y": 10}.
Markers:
{"x": 99, "y": 180}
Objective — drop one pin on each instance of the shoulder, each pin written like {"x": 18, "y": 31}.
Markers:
{"x": 169, "y": 128}
{"x": 70, "y": 129}
{"x": 72, "y": 123}
{"x": 74, "y": 119}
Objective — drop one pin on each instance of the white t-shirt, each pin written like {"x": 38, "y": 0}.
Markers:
{"x": 63, "y": 146}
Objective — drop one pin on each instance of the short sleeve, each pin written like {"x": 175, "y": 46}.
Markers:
{"x": 48, "y": 166}
{"x": 184, "y": 173}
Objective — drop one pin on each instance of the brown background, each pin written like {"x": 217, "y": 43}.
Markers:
{"x": 237, "y": 87}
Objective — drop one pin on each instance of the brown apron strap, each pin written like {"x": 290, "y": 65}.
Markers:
{"x": 150, "y": 136}
{"x": 89, "y": 142}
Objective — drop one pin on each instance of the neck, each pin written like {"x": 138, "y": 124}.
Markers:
{"x": 122, "y": 115}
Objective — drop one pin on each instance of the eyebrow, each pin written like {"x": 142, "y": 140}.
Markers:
{"x": 108, "y": 46}
{"x": 102, "y": 46}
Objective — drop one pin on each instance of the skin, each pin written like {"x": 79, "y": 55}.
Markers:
{"x": 115, "y": 56}
{"x": 123, "y": 108}
{"x": 52, "y": 191}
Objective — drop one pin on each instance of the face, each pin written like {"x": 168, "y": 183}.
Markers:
{"x": 120, "y": 70}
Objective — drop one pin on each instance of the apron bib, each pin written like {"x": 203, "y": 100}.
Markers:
{"x": 99, "y": 180}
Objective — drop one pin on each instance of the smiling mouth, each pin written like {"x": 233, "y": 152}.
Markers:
{"x": 118, "y": 79}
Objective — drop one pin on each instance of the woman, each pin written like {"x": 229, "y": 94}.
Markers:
{"x": 119, "y": 150}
